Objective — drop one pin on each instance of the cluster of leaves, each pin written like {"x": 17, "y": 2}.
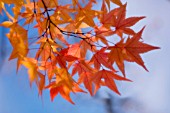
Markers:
{"x": 62, "y": 64}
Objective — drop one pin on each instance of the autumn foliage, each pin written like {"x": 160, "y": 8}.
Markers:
{"x": 73, "y": 44}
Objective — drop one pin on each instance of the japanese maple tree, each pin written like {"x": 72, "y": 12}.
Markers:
{"x": 73, "y": 43}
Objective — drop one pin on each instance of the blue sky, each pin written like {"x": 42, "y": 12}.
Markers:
{"x": 149, "y": 90}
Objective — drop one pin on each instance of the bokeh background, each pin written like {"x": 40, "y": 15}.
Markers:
{"x": 148, "y": 93}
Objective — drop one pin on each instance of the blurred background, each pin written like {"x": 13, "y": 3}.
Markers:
{"x": 148, "y": 93}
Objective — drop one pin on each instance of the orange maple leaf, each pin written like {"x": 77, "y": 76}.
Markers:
{"x": 107, "y": 78}
{"x": 63, "y": 90}
{"x": 64, "y": 85}
{"x": 130, "y": 51}
{"x": 85, "y": 77}
{"x": 100, "y": 58}
{"x": 85, "y": 73}
{"x": 123, "y": 24}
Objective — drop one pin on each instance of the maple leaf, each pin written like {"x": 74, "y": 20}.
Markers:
{"x": 117, "y": 18}
{"x": 122, "y": 24}
{"x": 106, "y": 78}
{"x": 83, "y": 12}
{"x": 86, "y": 77}
{"x": 62, "y": 14}
{"x": 18, "y": 39}
{"x": 134, "y": 47}
{"x": 64, "y": 85}
{"x": 117, "y": 55}
{"x": 85, "y": 73}
{"x": 63, "y": 90}
{"x": 31, "y": 64}
{"x": 129, "y": 51}
{"x": 100, "y": 58}
{"x": 107, "y": 18}
{"x": 29, "y": 15}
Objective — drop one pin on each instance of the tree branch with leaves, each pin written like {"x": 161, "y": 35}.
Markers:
{"x": 62, "y": 65}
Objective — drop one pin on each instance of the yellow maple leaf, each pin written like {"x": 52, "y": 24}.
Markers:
{"x": 32, "y": 67}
